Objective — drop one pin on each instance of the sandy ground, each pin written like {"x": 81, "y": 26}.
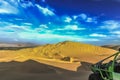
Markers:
{"x": 32, "y": 70}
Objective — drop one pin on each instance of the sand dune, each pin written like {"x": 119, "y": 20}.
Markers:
{"x": 62, "y": 61}
{"x": 69, "y": 51}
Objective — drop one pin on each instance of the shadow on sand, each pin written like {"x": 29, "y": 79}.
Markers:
{"x": 85, "y": 66}
{"x": 32, "y": 70}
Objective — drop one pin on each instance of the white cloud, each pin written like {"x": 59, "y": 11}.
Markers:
{"x": 90, "y": 19}
{"x": 19, "y": 28}
{"x": 25, "y": 27}
{"x": 97, "y": 35}
{"x": 71, "y": 27}
{"x": 116, "y": 32}
{"x": 75, "y": 17}
{"x": 83, "y": 16}
{"x": 41, "y": 27}
{"x": 29, "y": 24}
{"x": 68, "y": 19}
{"x": 7, "y": 8}
{"x": 6, "y": 26}
{"x": 26, "y": 4}
{"x": 110, "y": 25}
{"x": 45, "y": 11}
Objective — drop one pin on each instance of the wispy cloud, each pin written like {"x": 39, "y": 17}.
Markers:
{"x": 110, "y": 25}
{"x": 7, "y": 8}
{"x": 84, "y": 17}
{"x": 46, "y": 11}
{"x": 8, "y": 27}
{"x": 28, "y": 24}
{"x": 42, "y": 28}
{"x": 67, "y": 19}
{"x": 91, "y": 20}
{"x": 116, "y": 32}
{"x": 26, "y": 4}
{"x": 97, "y": 35}
{"x": 71, "y": 27}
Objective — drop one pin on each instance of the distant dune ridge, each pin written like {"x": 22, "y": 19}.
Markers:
{"x": 16, "y": 44}
{"x": 62, "y": 61}
{"x": 115, "y": 47}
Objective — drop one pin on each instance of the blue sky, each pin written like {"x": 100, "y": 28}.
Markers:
{"x": 51, "y": 21}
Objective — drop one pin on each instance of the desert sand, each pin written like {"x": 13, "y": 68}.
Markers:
{"x": 62, "y": 61}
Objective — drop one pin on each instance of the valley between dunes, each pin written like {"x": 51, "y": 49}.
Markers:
{"x": 62, "y": 61}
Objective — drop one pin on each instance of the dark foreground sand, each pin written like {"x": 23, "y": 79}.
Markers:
{"x": 32, "y": 70}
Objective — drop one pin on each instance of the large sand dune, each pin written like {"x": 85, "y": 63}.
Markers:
{"x": 63, "y": 61}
